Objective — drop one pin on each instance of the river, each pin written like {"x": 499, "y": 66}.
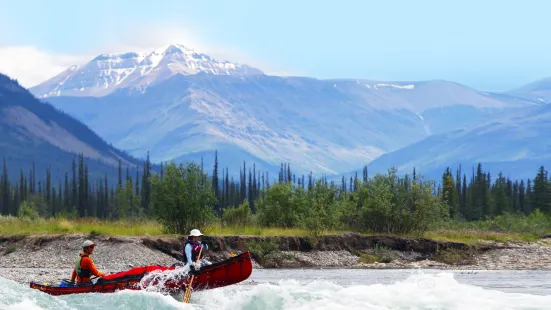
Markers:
{"x": 324, "y": 289}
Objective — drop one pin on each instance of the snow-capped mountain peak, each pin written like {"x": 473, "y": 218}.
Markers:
{"x": 108, "y": 72}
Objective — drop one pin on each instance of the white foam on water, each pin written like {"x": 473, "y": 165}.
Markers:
{"x": 418, "y": 292}
{"x": 155, "y": 281}
{"x": 440, "y": 291}
{"x": 26, "y": 304}
{"x": 14, "y": 296}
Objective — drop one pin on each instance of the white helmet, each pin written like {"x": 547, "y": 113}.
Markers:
{"x": 195, "y": 233}
{"x": 88, "y": 243}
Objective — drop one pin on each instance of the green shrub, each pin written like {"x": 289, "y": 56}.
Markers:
{"x": 263, "y": 249}
{"x": 183, "y": 200}
{"x": 384, "y": 254}
{"x": 452, "y": 256}
{"x": 368, "y": 258}
{"x": 238, "y": 216}
{"x": 323, "y": 210}
{"x": 387, "y": 206}
{"x": 28, "y": 210}
{"x": 281, "y": 206}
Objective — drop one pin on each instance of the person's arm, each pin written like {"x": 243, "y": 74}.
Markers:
{"x": 74, "y": 275}
{"x": 187, "y": 251}
{"x": 92, "y": 267}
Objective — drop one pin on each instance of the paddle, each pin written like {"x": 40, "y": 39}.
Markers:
{"x": 187, "y": 295}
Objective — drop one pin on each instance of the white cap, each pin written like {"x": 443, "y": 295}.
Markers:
{"x": 88, "y": 243}
{"x": 195, "y": 233}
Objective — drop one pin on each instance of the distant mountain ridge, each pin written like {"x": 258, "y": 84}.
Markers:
{"x": 177, "y": 110}
{"x": 318, "y": 126}
{"x": 514, "y": 142}
{"x": 539, "y": 91}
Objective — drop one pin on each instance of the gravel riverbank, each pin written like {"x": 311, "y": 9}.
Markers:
{"x": 50, "y": 258}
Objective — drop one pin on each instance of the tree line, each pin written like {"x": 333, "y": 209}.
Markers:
{"x": 185, "y": 195}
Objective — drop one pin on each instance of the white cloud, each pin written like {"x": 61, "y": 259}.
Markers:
{"x": 31, "y": 66}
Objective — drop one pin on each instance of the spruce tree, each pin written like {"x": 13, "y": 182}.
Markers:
{"x": 74, "y": 195}
{"x": 215, "y": 183}
{"x": 146, "y": 185}
{"x": 528, "y": 203}
{"x": 33, "y": 176}
{"x": 81, "y": 187}
{"x": 227, "y": 185}
{"x": 22, "y": 189}
{"x": 49, "y": 200}
{"x": 288, "y": 172}
{"x": 515, "y": 199}
{"x": 137, "y": 185}
{"x": 66, "y": 196}
{"x": 120, "y": 174}
{"x": 5, "y": 189}
{"x": 464, "y": 200}
{"x": 541, "y": 198}
{"x": 253, "y": 189}
{"x": 106, "y": 200}
{"x": 250, "y": 185}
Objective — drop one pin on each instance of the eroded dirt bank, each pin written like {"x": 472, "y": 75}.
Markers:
{"x": 50, "y": 258}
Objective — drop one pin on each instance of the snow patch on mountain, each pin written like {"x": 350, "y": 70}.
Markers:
{"x": 377, "y": 86}
{"x": 109, "y": 72}
{"x": 381, "y": 85}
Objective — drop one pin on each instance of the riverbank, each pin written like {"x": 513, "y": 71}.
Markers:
{"x": 48, "y": 258}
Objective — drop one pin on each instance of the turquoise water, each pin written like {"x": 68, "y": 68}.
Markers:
{"x": 323, "y": 289}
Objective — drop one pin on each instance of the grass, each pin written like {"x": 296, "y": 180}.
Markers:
{"x": 10, "y": 250}
{"x": 10, "y": 225}
{"x": 20, "y": 226}
{"x": 474, "y": 237}
{"x": 380, "y": 254}
{"x": 452, "y": 256}
{"x": 368, "y": 259}
{"x": 220, "y": 230}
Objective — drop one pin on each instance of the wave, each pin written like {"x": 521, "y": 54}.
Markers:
{"x": 420, "y": 292}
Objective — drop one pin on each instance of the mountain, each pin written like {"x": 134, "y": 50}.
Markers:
{"x": 539, "y": 91}
{"x": 36, "y": 131}
{"x": 515, "y": 143}
{"x": 109, "y": 72}
{"x": 323, "y": 126}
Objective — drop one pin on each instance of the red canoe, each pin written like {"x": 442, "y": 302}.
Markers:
{"x": 228, "y": 272}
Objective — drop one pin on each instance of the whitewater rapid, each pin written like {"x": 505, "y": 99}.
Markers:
{"x": 439, "y": 290}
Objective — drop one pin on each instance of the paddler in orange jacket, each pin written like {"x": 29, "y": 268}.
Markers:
{"x": 84, "y": 266}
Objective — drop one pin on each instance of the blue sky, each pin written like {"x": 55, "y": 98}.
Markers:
{"x": 490, "y": 45}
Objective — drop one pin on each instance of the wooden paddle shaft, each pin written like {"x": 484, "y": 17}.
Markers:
{"x": 187, "y": 295}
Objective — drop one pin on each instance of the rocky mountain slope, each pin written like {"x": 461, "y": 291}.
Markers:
{"x": 35, "y": 131}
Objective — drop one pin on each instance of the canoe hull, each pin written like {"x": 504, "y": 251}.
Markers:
{"x": 228, "y": 272}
